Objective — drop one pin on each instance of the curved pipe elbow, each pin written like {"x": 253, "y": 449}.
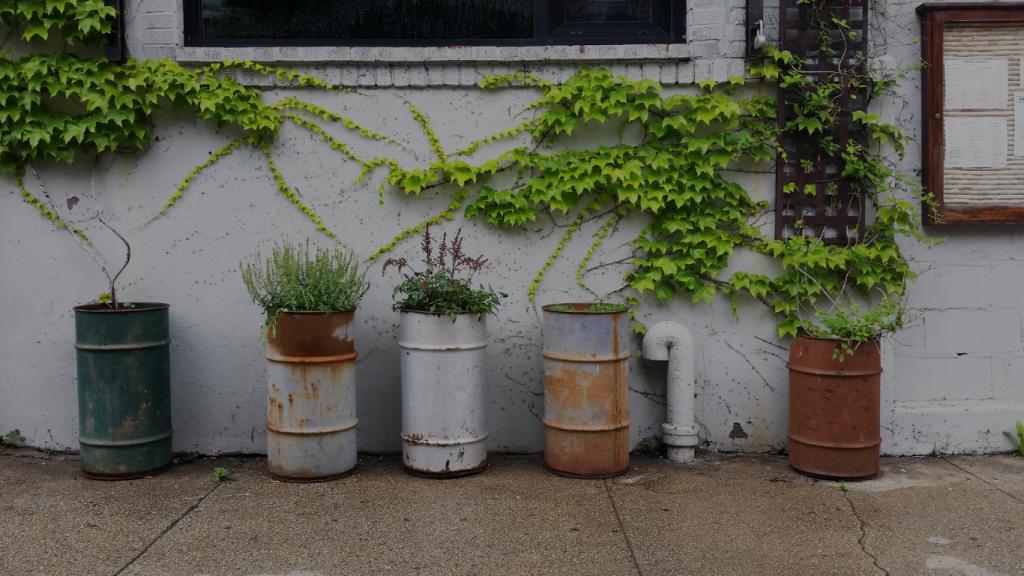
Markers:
{"x": 665, "y": 335}
{"x": 672, "y": 342}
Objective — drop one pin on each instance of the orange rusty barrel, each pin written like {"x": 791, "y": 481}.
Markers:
{"x": 834, "y": 420}
{"x": 311, "y": 417}
{"x": 586, "y": 387}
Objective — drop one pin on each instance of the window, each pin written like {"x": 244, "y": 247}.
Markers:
{"x": 432, "y": 22}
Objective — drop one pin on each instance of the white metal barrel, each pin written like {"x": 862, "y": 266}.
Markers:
{"x": 444, "y": 398}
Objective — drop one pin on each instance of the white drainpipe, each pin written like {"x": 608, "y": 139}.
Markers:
{"x": 670, "y": 341}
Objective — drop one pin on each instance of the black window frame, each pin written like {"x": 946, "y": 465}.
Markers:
{"x": 550, "y": 29}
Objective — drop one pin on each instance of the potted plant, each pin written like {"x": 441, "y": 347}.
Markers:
{"x": 586, "y": 388}
{"x": 443, "y": 342}
{"x": 835, "y": 368}
{"x": 122, "y": 352}
{"x": 310, "y": 297}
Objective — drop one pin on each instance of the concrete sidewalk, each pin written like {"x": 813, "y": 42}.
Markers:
{"x": 746, "y": 514}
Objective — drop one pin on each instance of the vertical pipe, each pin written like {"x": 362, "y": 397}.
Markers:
{"x": 670, "y": 341}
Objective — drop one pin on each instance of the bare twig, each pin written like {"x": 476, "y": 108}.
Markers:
{"x": 619, "y": 289}
{"x": 99, "y": 216}
{"x": 74, "y": 236}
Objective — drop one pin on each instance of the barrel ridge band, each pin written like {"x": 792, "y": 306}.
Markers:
{"x": 584, "y": 428}
{"x": 136, "y": 442}
{"x": 551, "y": 356}
{"x": 438, "y": 442}
{"x": 312, "y": 359}
{"x": 842, "y": 373}
{"x": 841, "y": 445}
{"x": 281, "y": 430}
{"x": 452, "y": 348}
{"x": 117, "y": 347}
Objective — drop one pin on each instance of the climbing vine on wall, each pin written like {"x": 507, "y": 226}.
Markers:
{"x": 674, "y": 174}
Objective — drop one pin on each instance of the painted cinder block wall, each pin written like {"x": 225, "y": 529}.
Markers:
{"x": 952, "y": 381}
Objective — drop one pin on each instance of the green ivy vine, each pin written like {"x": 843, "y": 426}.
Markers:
{"x": 62, "y": 106}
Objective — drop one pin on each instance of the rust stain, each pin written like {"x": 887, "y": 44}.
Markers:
{"x": 834, "y": 409}
{"x": 330, "y": 405}
{"x": 586, "y": 405}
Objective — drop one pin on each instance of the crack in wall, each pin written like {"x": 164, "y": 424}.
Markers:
{"x": 863, "y": 534}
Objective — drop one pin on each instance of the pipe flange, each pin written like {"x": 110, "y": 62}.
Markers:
{"x": 676, "y": 435}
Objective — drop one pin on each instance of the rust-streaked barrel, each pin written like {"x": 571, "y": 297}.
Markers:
{"x": 834, "y": 419}
{"x": 124, "y": 390}
{"x": 311, "y": 413}
{"x": 586, "y": 387}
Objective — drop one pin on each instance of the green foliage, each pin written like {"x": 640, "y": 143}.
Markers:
{"x": 1018, "y": 440}
{"x": 82, "y": 22}
{"x": 595, "y": 307}
{"x": 843, "y": 487}
{"x": 61, "y": 106}
{"x": 13, "y": 437}
{"x": 439, "y": 288}
{"x": 697, "y": 218}
{"x": 650, "y": 446}
{"x": 294, "y": 279}
{"x": 221, "y": 476}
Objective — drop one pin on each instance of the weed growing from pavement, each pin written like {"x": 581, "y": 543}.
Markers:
{"x": 221, "y": 475}
{"x": 13, "y": 437}
{"x": 1017, "y": 438}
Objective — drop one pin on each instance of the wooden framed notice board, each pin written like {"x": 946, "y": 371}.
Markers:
{"x": 973, "y": 94}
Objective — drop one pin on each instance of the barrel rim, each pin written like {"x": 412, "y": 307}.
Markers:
{"x": 100, "y": 308}
{"x": 459, "y": 315}
{"x": 547, "y": 308}
{"x": 320, "y": 312}
{"x": 875, "y": 338}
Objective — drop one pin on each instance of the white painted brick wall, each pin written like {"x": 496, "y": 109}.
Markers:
{"x": 966, "y": 331}
{"x": 933, "y": 379}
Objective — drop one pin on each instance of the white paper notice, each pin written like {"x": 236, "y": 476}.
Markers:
{"x": 977, "y": 84}
{"x": 1018, "y": 124}
{"x": 975, "y": 142}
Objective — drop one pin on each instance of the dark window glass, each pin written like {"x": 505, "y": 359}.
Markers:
{"x": 432, "y": 22}
{"x": 368, "y": 19}
{"x": 608, "y": 11}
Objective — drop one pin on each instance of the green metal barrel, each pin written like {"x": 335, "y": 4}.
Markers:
{"x": 124, "y": 390}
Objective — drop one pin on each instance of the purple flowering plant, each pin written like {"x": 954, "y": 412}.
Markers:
{"x": 444, "y": 286}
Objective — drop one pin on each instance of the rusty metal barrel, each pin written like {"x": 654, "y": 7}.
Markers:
{"x": 311, "y": 413}
{"x": 586, "y": 387}
{"x": 124, "y": 390}
{"x": 444, "y": 393}
{"x": 834, "y": 408}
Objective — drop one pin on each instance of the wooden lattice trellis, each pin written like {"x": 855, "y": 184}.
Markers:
{"x": 835, "y": 212}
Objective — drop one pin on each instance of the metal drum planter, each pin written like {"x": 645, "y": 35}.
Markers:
{"x": 834, "y": 420}
{"x": 586, "y": 386}
{"x": 444, "y": 410}
{"x": 311, "y": 412}
{"x": 124, "y": 390}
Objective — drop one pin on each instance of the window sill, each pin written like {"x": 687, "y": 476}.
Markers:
{"x": 453, "y": 54}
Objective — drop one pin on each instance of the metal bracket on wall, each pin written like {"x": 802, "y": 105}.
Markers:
{"x": 755, "y": 28}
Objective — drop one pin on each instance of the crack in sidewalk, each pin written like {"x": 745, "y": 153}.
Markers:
{"x": 863, "y": 534}
{"x": 166, "y": 530}
{"x": 625, "y": 534}
{"x": 983, "y": 480}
